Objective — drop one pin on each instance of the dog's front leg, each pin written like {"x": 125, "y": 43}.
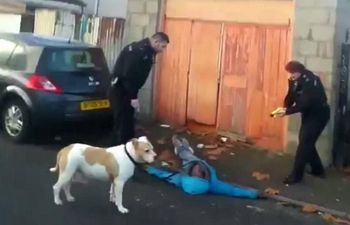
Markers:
{"x": 118, "y": 195}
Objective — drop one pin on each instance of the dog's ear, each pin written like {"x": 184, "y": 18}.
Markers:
{"x": 143, "y": 139}
{"x": 135, "y": 142}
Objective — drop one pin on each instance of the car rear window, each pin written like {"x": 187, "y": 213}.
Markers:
{"x": 72, "y": 60}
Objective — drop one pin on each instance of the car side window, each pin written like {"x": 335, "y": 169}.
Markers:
{"x": 18, "y": 60}
{"x": 6, "y": 49}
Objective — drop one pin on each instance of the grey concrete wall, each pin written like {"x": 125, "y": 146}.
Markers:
{"x": 141, "y": 22}
{"x": 314, "y": 45}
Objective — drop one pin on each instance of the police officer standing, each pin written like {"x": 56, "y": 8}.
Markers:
{"x": 306, "y": 95}
{"x": 130, "y": 73}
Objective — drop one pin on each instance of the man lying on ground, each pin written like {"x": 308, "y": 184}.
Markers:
{"x": 197, "y": 176}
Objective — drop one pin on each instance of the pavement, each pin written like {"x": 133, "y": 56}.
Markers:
{"x": 26, "y": 191}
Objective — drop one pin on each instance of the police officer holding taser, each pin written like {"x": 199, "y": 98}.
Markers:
{"x": 130, "y": 73}
{"x": 306, "y": 95}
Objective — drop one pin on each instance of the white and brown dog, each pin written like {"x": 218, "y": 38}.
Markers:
{"x": 79, "y": 162}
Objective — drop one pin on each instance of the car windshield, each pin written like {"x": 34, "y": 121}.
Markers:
{"x": 73, "y": 60}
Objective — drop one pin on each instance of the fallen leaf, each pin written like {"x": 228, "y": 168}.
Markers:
{"x": 211, "y": 146}
{"x": 347, "y": 171}
{"x": 161, "y": 141}
{"x": 217, "y": 151}
{"x": 332, "y": 219}
{"x": 211, "y": 157}
{"x": 341, "y": 221}
{"x": 261, "y": 176}
{"x": 181, "y": 130}
{"x": 271, "y": 191}
{"x": 329, "y": 218}
{"x": 228, "y": 145}
{"x": 310, "y": 208}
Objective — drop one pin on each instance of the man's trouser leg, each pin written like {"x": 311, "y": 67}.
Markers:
{"x": 123, "y": 117}
{"x": 310, "y": 131}
{"x": 116, "y": 101}
{"x": 314, "y": 159}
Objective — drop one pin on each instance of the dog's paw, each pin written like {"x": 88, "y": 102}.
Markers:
{"x": 70, "y": 199}
{"x": 123, "y": 210}
{"x": 58, "y": 202}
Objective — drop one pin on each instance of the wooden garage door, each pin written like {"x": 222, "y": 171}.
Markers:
{"x": 172, "y": 81}
{"x": 204, "y": 72}
{"x": 254, "y": 82}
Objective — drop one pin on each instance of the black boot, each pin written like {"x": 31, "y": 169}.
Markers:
{"x": 290, "y": 180}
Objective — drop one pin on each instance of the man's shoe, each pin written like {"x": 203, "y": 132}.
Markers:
{"x": 291, "y": 180}
{"x": 319, "y": 175}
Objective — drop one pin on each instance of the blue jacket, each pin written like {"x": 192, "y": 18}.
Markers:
{"x": 195, "y": 185}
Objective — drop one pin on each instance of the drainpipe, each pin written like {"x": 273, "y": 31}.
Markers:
{"x": 97, "y": 6}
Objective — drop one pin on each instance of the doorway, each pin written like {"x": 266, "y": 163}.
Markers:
{"x": 190, "y": 71}
{"x": 225, "y": 76}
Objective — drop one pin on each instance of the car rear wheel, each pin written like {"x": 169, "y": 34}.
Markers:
{"x": 15, "y": 120}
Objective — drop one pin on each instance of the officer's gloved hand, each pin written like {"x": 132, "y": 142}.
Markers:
{"x": 135, "y": 103}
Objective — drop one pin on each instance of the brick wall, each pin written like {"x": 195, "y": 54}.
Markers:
{"x": 141, "y": 22}
{"x": 314, "y": 45}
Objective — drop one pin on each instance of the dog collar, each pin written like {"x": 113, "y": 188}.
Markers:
{"x": 130, "y": 157}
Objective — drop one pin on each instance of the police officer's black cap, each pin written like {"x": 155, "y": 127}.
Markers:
{"x": 295, "y": 67}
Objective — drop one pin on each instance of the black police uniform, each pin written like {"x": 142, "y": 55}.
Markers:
{"x": 307, "y": 96}
{"x": 130, "y": 74}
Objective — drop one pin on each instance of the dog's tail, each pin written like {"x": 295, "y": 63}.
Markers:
{"x": 54, "y": 169}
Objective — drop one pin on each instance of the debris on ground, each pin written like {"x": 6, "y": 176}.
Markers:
{"x": 309, "y": 208}
{"x": 233, "y": 136}
{"x": 161, "y": 141}
{"x": 261, "y": 176}
{"x": 216, "y": 152}
{"x": 200, "y": 146}
{"x": 271, "y": 191}
{"x": 347, "y": 171}
{"x": 257, "y": 209}
{"x": 165, "y": 125}
{"x": 332, "y": 219}
{"x": 181, "y": 130}
{"x": 212, "y": 157}
{"x": 141, "y": 129}
{"x": 214, "y": 146}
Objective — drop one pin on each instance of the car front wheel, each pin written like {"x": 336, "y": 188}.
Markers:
{"x": 15, "y": 120}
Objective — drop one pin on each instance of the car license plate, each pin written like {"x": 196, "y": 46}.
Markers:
{"x": 96, "y": 104}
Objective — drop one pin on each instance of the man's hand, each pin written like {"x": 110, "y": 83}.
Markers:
{"x": 279, "y": 112}
{"x": 135, "y": 103}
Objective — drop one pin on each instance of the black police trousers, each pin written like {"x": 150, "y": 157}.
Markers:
{"x": 123, "y": 116}
{"x": 311, "y": 128}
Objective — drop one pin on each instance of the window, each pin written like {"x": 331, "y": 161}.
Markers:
{"x": 6, "y": 48}
{"x": 18, "y": 59}
{"x": 73, "y": 60}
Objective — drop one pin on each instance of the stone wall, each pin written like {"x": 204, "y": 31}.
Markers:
{"x": 141, "y": 21}
{"x": 314, "y": 45}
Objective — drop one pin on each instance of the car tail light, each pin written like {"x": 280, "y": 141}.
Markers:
{"x": 42, "y": 83}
